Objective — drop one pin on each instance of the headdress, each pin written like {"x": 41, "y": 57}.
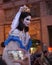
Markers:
{"x": 25, "y": 9}
{"x": 15, "y": 21}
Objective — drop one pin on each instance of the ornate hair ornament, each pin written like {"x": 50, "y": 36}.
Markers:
{"x": 25, "y": 9}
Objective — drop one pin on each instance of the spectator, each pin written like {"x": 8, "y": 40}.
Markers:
{"x": 36, "y": 57}
{"x": 46, "y": 55}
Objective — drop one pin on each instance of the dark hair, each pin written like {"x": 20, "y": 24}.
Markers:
{"x": 45, "y": 51}
{"x": 2, "y": 62}
{"x": 2, "y": 44}
{"x": 21, "y": 26}
{"x": 23, "y": 15}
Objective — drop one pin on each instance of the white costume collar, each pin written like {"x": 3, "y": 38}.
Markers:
{"x": 24, "y": 37}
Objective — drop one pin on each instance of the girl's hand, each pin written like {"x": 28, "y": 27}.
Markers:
{"x": 19, "y": 61}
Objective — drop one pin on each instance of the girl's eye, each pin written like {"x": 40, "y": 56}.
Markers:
{"x": 27, "y": 19}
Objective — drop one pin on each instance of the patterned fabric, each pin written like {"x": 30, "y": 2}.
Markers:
{"x": 15, "y": 41}
{"x": 16, "y": 38}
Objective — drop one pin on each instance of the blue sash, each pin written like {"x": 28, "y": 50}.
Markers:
{"x": 17, "y": 39}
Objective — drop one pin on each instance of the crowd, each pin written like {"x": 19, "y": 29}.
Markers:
{"x": 41, "y": 57}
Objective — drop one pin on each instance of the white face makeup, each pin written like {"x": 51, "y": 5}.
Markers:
{"x": 27, "y": 20}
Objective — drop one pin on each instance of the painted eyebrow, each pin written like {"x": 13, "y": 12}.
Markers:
{"x": 28, "y": 18}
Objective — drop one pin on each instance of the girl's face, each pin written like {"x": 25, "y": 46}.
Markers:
{"x": 27, "y": 20}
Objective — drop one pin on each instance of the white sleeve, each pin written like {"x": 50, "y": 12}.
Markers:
{"x": 15, "y": 21}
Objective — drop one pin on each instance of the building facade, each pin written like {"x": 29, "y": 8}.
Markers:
{"x": 41, "y": 23}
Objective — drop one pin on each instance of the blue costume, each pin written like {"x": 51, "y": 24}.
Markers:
{"x": 16, "y": 38}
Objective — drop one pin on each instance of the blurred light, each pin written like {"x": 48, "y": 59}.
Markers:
{"x": 33, "y": 49}
{"x": 50, "y": 49}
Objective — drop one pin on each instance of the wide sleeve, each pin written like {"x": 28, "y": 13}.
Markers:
{"x": 11, "y": 46}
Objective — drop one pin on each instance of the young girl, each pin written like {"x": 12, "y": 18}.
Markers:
{"x": 19, "y": 38}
